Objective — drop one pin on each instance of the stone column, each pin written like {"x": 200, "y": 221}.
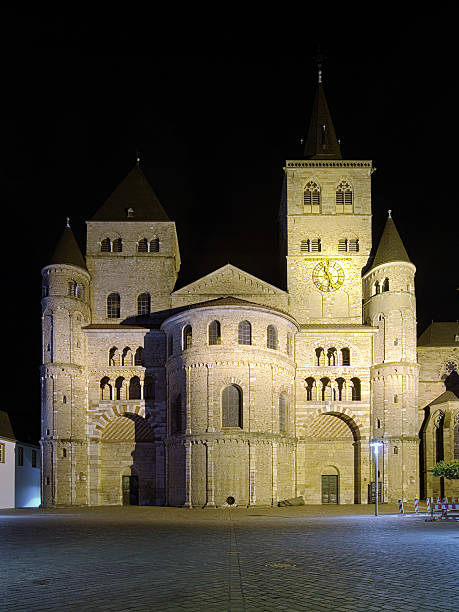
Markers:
{"x": 210, "y": 492}
{"x": 252, "y": 474}
{"x": 187, "y": 503}
{"x": 274, "y": 467}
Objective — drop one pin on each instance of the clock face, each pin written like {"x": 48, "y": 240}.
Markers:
{"x": 328, "y": 275}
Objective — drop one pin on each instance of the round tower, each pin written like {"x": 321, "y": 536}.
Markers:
{"x": 390, "y": 306}
{"x": 65, "y": 311}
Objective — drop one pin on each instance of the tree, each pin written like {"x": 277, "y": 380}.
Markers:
{"x": 447, "y": 469}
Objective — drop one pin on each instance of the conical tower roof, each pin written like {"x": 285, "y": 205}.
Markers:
{"x": 321, "y": 142}
{"x": 390, "y": 246}
{"x": 133, "y": 194}
{"x": 67, "y": 250}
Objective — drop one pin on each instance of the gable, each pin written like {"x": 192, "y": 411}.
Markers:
{"x": 229, "y": 280}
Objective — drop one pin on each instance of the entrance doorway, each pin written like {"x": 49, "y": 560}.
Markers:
{"x": 329, "y": 489}
{"x": 130, "y": 486}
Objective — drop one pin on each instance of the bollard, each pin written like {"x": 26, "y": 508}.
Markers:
{"x": 400, "y": 507}
{"x": 416, "y": 505}
{"x": 428, "y": 504}
{"x": 453, "y": 504}
{"x": 444, "y": 513}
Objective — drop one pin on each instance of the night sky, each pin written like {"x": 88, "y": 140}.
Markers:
{"x": 215, "y": 103}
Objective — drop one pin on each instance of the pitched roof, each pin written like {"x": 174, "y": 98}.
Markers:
{"x": 440, "y": 334}
{"x": 390, "y": 247}
{"x": 447, "y": 396}
{"x": 321, "y": 142}
{"x": 133, "y": 192}
{"x": 6, "y": 429}
{"x": 67, "y": 251}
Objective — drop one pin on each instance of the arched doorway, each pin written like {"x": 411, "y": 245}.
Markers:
{"x": 333, "y": 463}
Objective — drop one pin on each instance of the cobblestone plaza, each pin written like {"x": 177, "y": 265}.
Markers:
{"x": 305, "y": 558}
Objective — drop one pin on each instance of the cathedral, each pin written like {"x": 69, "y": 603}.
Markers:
{"x": 230, "y": 388}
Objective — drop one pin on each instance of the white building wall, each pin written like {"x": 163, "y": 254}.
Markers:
{"x": 7, "y": 474}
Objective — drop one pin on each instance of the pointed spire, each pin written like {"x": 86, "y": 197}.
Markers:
{"x": 132, "y": 200}
{"x": 321, "y": 142}
{"x": 390, "y": 247}
{"x": 67, "y": 250}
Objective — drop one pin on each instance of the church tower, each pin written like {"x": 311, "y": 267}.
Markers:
{"x": 326, "y": 214}
{"x": 390, "y": 306}
{"x": 131, "y": 247}
{"x": 65, "y": 308}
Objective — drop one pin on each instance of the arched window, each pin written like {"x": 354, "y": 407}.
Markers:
{"x": 149, "y": 388}
{"x": 320, "y": 356}
{"x": 215, "y": 333}
{"x": 113, "y": 356}
{"x": 356, "y": 389}
{"x": 113, "y": 306}
{"x": 376, "y": 288}
{"x": 385, "y": 285}
{"x": 232, "y": 406}
{"x": 80, "y": 292}
{"x": 331, "y": 356}
{"x": 439, "y": 422}
{"x": 345, "y": 357}
{"x": 283, "y": 406}
{"x": 340, "y": 385}
{"x": 187, "y": 337}
{"x": 244, "y": 333}
{"x": 177, "y": 416}
{"x": 105, "y": 389}
{"x": 354, "y": 245}
{"x": 305, "y": 246}
{"x": 119, "y": 384}
{"x": 326, "y": 390}
{"x": 271, "y": 338}
{"x": 311, "y": 198}
{"x": 138, "y": 357}
{"x": 134, "y": 388}
{"x": 344, "y": 198}
{"x": 106, "y": 245}
{"x": 316, "y": 245}
{"x": 117, "y": 245}
{"x": 310, "y": 385}
{"x": 143, "y": 304}
{"x": 126, "y": 358}
{"x": 342, "y": 245}
{"x": 154, "y": 245}
{"x": 73, "y": 288}
{"x": 142, "y": 246}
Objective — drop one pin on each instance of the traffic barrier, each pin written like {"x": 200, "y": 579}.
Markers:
{"x": 438, "y": 504}
{"x": 453, "y": 504}
{"x": 400, "y": 507}
{"x": 416, "y": 505}
{"x": 428, "y": 504}
{"x": 444, "y": 512}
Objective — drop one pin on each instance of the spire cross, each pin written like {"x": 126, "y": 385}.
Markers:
{"x": 389, "y": 213}
{"x": 137, "y": 153}
{"x": 68, "y": 222}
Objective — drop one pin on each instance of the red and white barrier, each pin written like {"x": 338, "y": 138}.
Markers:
{"x": 400, "y": 507}
{"x": 428, "y": 504}
{"x": 416, "y": 505}
{"x": 453, "y": 504}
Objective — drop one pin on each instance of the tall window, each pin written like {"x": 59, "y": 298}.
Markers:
{"x": 344, "y": 198}
{"x": 345, "y": 357}
{"x": 310, "y": 385}
{"x": 20, "y": 456}
{"x": 311, "y": 198}
{"x": 119, "y": 385}
{"x": 113, "y": 306}
{"x": 34, "y": 458}
{"x": 354, "y": 245}
{"x": 117, "y": 245}
{"x": 340, "y": 383}
{"x": 138, "y": 357}
{"x": 385, "y": 285}
{"x": 331, "y": 356}
{"x": 114, "y": 356}
{"x": 271, "y": 339}
{"x": 283, "y": 405}
{"x": 154, "y": 245}
{"x": 126, "y": 358}
{"x": 320, "y": 356}
{"x": 244, "y": 333}
{"x": 356, "y": 389}
{"x": 326, "y": 390}
{"x": 232, "y": 406}
{"x": 105, "y": 389}
{"x": 134, "y": 388}
{"x": 177, "y": 416}
{"x": 316, "y": 245}
{"x": 376, "y": 288}
{"x": 305, "y": 246}
{"x": 215, "y": 333}
{"x": 187, "y": 337}
{"x": 143, "y": 304}
{"x": 149, "y": 388}
{"x": 342, "y": 245}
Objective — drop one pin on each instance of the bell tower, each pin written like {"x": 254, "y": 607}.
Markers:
{"x": 326, "y": 217}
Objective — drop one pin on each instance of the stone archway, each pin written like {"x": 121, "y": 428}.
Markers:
{"x": 333, "y": 438}
{"x": 127, "y": 448}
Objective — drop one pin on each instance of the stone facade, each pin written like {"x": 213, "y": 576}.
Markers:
{"x": 229, "y": 386}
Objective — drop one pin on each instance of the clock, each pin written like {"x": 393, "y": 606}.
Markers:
{"x": 328, "y": 275}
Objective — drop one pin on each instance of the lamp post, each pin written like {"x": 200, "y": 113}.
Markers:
{"x": 375, "y": 444}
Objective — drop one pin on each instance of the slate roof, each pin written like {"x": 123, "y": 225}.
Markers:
{"x": 447, "y": 396}
{"x": 67, "y": 251}
{"x": 6, "y": 429}
{"x": 440, "y": 334}
{"x": 390, "y": 247}
{"x": 133, "y": 192}
{"x": 316, "y": 146}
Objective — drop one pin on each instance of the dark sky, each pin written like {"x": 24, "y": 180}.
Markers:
{"x": 216, "y": 102}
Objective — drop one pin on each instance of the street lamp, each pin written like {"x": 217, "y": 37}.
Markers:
{"x": 375, "y": 444}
